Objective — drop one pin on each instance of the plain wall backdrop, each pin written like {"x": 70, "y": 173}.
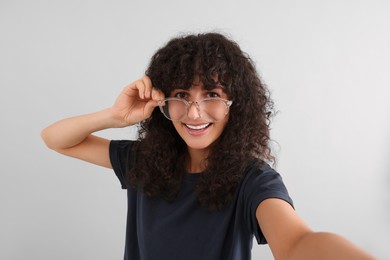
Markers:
{"x": 327, "y": 64}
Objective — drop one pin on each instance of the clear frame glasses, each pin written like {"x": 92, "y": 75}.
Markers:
{"x": 209, "y": 109}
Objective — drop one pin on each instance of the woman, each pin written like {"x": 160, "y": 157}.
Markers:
{"x": 198, "y": 182}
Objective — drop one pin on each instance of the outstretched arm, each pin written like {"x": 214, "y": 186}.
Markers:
{"x": 290, "y": 238}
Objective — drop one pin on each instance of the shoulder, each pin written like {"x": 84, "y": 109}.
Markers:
{"x": 121, "y": 148}
{"x": 259, "y": 172}
{"x": 122, "y": 156}
{"x": 261, "y": 181}
{"x": 122, "y": 144}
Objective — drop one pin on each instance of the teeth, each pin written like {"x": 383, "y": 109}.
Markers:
{"x": 198, "y": 127}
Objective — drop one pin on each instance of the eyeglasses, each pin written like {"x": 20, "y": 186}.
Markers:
{"x": 210, "y": 109}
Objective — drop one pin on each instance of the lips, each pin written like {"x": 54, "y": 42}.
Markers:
{"x": 197, "y": 130}
{"x": 197, "y": 127}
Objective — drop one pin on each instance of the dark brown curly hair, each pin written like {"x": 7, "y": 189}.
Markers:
{"x": 161, "y": 152}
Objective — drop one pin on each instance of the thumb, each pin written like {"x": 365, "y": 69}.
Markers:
{"x": 149, "y": 107}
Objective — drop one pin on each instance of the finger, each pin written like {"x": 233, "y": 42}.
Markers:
{"x": 129, "y": 91}
{"x": 149, "y": 107}
{"x": 141, "y": 88}
{"x": 157, "y": 94}
{"x": 148, "y": 86}
{"x": 129, "y": 88}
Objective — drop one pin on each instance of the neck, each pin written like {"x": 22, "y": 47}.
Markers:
{"x": 195, "y": 162}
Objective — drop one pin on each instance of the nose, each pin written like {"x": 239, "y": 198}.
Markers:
{"x": 193, "y": 111}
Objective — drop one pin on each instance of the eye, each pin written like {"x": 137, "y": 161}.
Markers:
{"x": 181, "y": 95}
{"x": 213, "y": 95}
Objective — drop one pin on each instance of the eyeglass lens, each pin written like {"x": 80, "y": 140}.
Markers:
{"x": 211, "y": 110}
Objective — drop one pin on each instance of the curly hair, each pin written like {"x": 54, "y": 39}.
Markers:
{"x": 161, "y": 152}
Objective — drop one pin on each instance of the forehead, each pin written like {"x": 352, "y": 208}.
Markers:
{"x": 206, "y": 82}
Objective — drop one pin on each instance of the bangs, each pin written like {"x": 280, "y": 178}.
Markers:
{"x": 191, "y": 72}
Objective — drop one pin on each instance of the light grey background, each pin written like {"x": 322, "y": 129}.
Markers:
{"x": 326, "y": 62}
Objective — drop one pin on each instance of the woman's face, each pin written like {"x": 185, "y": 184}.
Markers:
{"x": 195, "y": 129}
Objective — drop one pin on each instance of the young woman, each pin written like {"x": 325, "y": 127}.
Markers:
{"x": 198, "y": 181}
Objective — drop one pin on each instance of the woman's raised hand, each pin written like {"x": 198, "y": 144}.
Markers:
{"x": 136, "y": 102}
{"x": 73, "y": 136}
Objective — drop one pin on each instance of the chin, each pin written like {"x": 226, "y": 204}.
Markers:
{"x": 198, "y": 145}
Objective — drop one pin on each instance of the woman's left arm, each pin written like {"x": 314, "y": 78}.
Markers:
{"x": 290, "y": 238}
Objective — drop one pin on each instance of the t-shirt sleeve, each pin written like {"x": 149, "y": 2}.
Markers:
{"x": 260, "y": 184}
{"x": 120, "y": 156}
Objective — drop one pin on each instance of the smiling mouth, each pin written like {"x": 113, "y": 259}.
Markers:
{"x": 198, "y": 127}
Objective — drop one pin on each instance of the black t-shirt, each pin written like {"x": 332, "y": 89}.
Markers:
{"x": 182, "y": 229}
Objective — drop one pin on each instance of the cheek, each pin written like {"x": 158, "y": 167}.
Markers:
{"x": 226, "y": 119}
{"x": 221, "y": 125}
